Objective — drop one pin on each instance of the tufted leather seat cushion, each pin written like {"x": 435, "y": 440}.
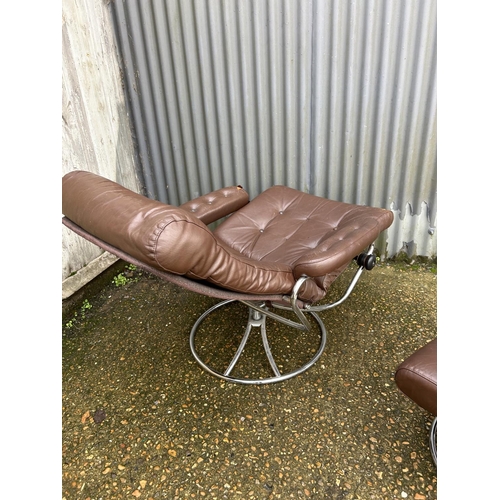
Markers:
{"x": 417, "y": 377}
{"x": 317, "y": 237}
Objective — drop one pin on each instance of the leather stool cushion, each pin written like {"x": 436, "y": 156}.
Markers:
{"x": 417, "y": 377}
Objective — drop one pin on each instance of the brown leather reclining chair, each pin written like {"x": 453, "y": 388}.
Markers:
{"x": 279, "y": 252}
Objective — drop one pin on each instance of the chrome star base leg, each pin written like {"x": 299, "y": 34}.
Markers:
{"x": 433, "y": 441}
{"x": 257, "y": 320}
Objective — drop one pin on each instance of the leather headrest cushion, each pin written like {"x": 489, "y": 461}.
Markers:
{"x": 164, "y": 236}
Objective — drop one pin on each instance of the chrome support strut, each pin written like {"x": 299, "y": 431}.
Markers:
{"x": 325, "y": 307}
{"x": 257, "y": 319}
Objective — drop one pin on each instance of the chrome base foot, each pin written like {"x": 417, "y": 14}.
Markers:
{"x": 433, "y": 441}
{"x": 257, "y": 319}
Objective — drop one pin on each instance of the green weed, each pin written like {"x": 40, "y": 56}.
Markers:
{"x": 123, "y": 278}
{"x": 86, "y": 306}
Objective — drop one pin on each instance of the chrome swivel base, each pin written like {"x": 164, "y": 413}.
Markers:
{"x": 257, "y": 319}
{"x": 433, "y": 441}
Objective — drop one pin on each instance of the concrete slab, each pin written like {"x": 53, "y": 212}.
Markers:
{"x": 142, "y": 419}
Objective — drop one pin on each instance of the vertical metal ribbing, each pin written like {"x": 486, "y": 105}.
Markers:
{"x": 213, "y": 174}
{"x": 192, "y": 122}
{"x": 261, "y": 77}
{"x": 304, "y": 138}
{"x": 169, "y": 129}
{"x": 153, "y": 103}
{"x": 332, "y": 97}
{"x": 216, "y": 42}
{"x": 122, "y": 32}
{"x": 143, "y": 54}
{"x": 320, "y": 101}
{"x": 248, "y": 95}
{"x": 275, "y": 85}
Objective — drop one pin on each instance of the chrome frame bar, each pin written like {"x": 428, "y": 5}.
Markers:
{"x": 324, "y": 307}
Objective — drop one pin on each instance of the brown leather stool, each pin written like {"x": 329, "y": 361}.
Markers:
{"x": 416, "y": 377}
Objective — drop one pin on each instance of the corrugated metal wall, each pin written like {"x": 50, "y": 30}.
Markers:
{"x": 336, "y": 98}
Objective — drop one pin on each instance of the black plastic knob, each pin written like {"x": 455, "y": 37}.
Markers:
{"x": 366, "y": 260}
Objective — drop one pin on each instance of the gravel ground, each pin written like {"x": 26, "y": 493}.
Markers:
{"x": 141, "y": 419}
